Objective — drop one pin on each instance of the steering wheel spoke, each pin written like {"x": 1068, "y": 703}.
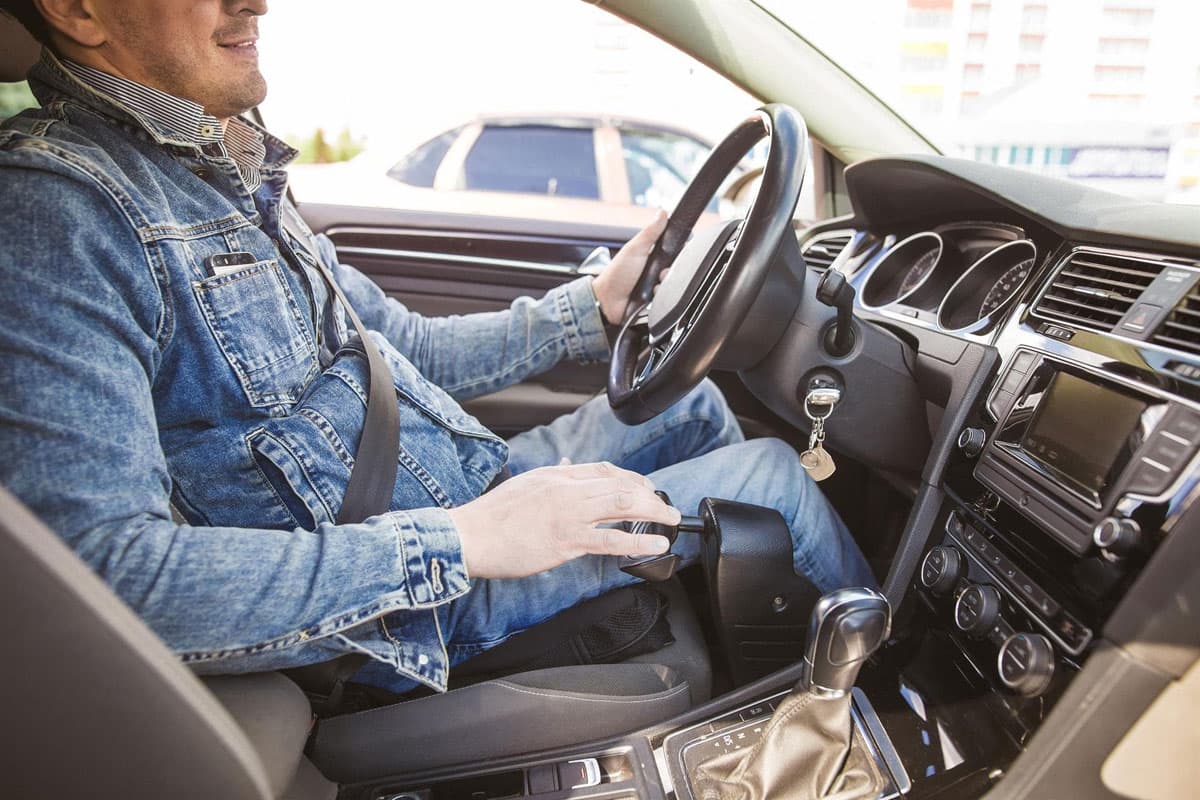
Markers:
{"x": 654, "y": 357}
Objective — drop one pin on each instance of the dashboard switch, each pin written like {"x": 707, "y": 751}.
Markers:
{"x": 971, "y": 441}
{"x": 543, "y": 779}
{"x": 582, "y": 773}
{"x": 977, "y": 610}
{"x": 941, "y": 570}
{"x": 1026, "y": 663}
{"x": 1116, "y": 536}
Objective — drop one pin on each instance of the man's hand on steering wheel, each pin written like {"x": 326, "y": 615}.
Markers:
{"x": 614, "y": 285}
{"x": 665, "y": 348}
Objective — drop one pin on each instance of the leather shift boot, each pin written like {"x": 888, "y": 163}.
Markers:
{"x": 808, "y": 751}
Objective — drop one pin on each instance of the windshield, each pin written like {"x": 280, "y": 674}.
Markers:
{"x": 1104, "y": 92}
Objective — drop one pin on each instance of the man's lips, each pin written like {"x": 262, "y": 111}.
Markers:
{"x": 239, "y": 44}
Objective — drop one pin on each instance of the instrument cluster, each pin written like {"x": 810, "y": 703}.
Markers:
{"x": 958, "y": 277}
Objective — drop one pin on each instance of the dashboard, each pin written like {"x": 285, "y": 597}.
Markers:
{"x": 1056, "y": 481}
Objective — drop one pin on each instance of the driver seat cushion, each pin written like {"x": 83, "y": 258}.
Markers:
{"x": 518, "y": 715}
{"x": 523, "y": 713}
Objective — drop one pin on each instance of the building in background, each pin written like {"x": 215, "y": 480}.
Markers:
{"x": 1104, "y": 91}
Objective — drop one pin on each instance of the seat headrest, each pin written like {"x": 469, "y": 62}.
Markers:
{"x": 18, "y": 50}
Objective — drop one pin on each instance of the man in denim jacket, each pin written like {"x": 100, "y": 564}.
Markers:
{"x": 137, "y": 376}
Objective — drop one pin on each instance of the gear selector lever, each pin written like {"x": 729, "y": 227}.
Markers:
{"x": 809, "y": 749}
{"x": 847, "y": 627}
{"x": 661, "y": 567}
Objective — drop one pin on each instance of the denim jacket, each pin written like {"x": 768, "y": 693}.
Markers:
{"x": 135, "y": 380}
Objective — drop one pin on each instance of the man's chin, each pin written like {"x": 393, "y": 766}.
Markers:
{"x": 247, "y": 97}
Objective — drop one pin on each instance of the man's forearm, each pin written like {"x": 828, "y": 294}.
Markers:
{"x": 475, "y": 354}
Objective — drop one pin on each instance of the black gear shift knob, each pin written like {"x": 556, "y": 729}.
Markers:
{"x": 847, "y": 626}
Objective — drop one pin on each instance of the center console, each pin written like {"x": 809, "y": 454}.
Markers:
{"x": 1066, "y": 482}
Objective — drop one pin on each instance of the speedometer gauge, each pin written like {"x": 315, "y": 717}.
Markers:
{"x": 977, "y": 299}
{"x": 1003, "y": 289}
{"x": 918, "y": 272}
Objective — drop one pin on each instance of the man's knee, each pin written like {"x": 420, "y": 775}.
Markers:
{"x": 774, "y": 452}
{"x": 786, "y": 480}
{"x": 707, "y": 402}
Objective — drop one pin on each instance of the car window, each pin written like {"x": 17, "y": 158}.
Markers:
{"x": 659, "y": 165}
{"x": 533, "y": 159}
{"x": 419, "y": 167}
{"x": 14, "y": 97}
{"x": 1102, "y": 92}
{"x": 426, "y": 85}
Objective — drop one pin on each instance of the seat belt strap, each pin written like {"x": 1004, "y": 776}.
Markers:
{"x": 373, "y": 476}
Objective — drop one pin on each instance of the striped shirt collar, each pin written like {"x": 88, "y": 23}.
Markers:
{"x": 183, "y": 118}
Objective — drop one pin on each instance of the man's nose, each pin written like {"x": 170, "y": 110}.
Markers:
{"x": 255, "y": 7}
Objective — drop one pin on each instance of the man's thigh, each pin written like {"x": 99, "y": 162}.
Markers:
{"x": 763, "y": 472}
{"x": 699, "y": 423}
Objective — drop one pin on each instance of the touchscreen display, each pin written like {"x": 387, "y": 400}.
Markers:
{"x": 1080, "y": 429}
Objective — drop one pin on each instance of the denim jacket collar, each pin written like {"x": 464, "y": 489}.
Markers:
{"x": 49, "y": 79}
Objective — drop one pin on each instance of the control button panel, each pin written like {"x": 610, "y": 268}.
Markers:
{"x": 1165, "y": 454}
{"x": 1015, "y": 578}
{"x": 1020, "y": 367}
{"x": 973, "y": 586}
{"x": 738, "y": 730}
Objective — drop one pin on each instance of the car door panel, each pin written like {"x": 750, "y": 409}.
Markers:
{"x": 439, "y": 264}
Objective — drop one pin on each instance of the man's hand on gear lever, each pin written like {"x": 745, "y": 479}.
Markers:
{"x": 539, "y": 519}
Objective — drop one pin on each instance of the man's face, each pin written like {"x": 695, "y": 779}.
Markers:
{"x": 201, "y": 50}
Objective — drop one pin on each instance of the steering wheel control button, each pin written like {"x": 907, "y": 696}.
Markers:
{"x": 977, "y": 610}
{"x": 1026, "y": 663}
{"x": 941, "y": 570}
{"x": 971, "y": 441}
{"x": 1116, "y": 536}
{"x": 582, "y": 773}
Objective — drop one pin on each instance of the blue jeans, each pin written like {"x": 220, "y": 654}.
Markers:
{"x": 693, "y": 450}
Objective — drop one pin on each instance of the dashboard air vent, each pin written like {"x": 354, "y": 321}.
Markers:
{"x": 823, "y": 249}
{"x": 1181, "y": 331}
{"x": 1094, "y": 290}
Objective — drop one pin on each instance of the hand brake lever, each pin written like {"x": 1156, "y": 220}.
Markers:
{"x": 661, "y": 567}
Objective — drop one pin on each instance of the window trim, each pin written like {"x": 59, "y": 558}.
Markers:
{"x": 610, "y": 166}
{"x": 451, "y": 174}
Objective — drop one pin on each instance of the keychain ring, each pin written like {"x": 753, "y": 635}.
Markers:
{"x": 813, "y": 417}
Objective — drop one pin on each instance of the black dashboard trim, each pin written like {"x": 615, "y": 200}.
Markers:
{"x": 892, "y": 191}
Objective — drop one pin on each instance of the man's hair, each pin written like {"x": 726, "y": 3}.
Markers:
{"x": 26, "y": 13}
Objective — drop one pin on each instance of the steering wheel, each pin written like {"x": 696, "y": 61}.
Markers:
{"x": 666, "y": 347}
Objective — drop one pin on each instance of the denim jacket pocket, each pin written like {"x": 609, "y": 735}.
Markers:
{"x": 258, "y": 325}
{"x": 284, "y": 470}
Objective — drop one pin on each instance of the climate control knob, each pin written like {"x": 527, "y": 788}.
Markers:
{"x": 1026, "y": 663}
{"x": 977, "y": 609}
{"x": 941, "y": 569}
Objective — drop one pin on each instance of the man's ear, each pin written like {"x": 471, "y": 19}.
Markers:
{"x": 74, "y": 20}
